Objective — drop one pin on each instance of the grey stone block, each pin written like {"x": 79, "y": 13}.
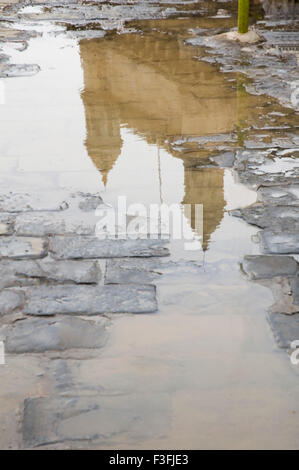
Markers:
{"x": 90, "y": 203}
{"x": 36, "y": 335}
{"x": 278, "y": 195}
{"x": 40, "y": 224}
{"x": 266, "y": 267}
{"x": 285, "y": 328}
{"x": 81, "y": 420}
{"x": 133, "y": 271}
{"x": 92, "y": 247}
{"x": 224, "y": 160}
{"x": 23, "y": 247}
{"x": 88, "y": 300}
{"x": 42, "y": 417}
{"x": 23, "y": 202}
{"x": 6, "y": 224}
{"x": 295, "y": 290}
{"x": 10, "y": 301}
{"x": 279, "y": 242}
{"x": 9, "y": 276}
{"x": 81, "y": 272}
{"x": 275, "y": 217}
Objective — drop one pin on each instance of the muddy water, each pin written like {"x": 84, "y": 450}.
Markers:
{"x": 205, "y": 368}
{"x": 203, "y": 372}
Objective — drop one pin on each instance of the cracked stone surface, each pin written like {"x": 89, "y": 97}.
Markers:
{"x": 255, "y": 61}
{"x": 132, "y": 271}
{"x": 295, "y": 289}
{"x": 23, "y": 247}
{"x": 43, "y": 224}
{"x": 10, "y": 301}
{"x": 85, "y": 247}
{"x": 77, "y": 418}
{"x": 6, "y": 224}
{"x": 280, "y": 195}
{"x": 88, "y": 300}
{"x": 37, "y": 335}
{"x": 22, "y": 202}
{"x": 18, "y": 70}
{"x": 90, "y": 203}
{"x": 281, "y": 288}
{"x": 266, "y": 267}
{"x": 279, "y": 242}
{"x": 285, "y": 330}
{"x": 80, "y": 272}
{"x": 27, "y": 272}
{"x": 275, "y": 217}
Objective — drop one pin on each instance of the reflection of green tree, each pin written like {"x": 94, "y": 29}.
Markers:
{"x": 242, "y": 110}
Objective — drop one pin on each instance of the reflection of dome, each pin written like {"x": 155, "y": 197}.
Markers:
{"x": 152, "y": 85}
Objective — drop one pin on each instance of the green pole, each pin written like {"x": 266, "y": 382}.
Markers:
{"x": 243, "y": 16}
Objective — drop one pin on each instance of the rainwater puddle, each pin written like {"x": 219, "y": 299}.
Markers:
{"x": 102, "y": 115}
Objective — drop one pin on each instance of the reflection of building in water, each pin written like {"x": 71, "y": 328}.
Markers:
{"x": 152, "y": 85}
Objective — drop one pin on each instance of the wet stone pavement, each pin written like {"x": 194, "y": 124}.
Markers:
{"x": 55, "y": 286}
{"x": 62, "y": 287}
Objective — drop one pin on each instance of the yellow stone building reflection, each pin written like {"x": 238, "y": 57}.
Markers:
{"x": 152, "y": 85}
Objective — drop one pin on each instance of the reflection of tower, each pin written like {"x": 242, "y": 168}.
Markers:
{"x": 103, "y": 140}
{"x": 152, "y": 85}
{"x": 205, "y": 186}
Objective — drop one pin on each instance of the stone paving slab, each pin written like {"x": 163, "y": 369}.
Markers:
{"x": 9, "y": 276}
{"x": 42, "y": 417}
{"x": 42, "y": 201}
{"x": 46, "y": 223}
{"x": 266, "y": 267}
{"x": 18, "y": 273}
{"x": 6, "y": 224}
{"x": 295, "y": 289}
{"x": 80, "y": 272}
{"x": 88, "y": 419}
{"x": 36, "y": 335}
{"x": 284, "y": 301}
{"x": 285, "y": 329}
{"x": 279, "y": 242}
{"x": 10, "y": 301}
{"x": 275, "y": 217}
{"x": 280, "y": 195}
{"x": 23, "y": 247}
{"x": 18, "y": 70}
{"x": 84, "y": 247}
{"x": 89, "y": 300}
{"x": 133, "y": 271}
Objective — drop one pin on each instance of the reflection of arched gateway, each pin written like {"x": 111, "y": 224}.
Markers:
{"x": 151, "y": 85}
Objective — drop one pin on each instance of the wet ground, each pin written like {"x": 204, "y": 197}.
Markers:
{"x": 178, "y": 352}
